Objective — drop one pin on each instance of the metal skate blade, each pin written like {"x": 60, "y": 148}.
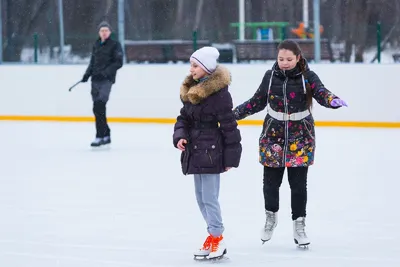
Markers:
{"x": 223, "y": 257}
{"x": 303, "y": 246}
{"x": 220, "y": 259}
{"x": 101, "y": 148}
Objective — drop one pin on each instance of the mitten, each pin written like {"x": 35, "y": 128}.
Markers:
{"x": 337, "y": 102}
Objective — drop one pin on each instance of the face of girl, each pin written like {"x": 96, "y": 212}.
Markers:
{"x": 287, "y": 60}
{"x": 197, "y": 72}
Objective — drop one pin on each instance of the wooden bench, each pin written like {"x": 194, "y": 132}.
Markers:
{"x": 162, "y": 51}
{"x": 267, "y": 50}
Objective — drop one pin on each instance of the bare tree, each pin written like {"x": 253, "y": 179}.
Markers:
{"x": 178, "y": 30}
{"x": 20, "y": 22}
{"x": 336, "y": 17}
{"x": 392, "y": 31}
{"x": 199, "y": 12}
{"x": 352, "y": 22}
{"x": 357, "y": 13}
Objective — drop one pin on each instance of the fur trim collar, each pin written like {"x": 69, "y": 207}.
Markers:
{"x": 196, "y": 92}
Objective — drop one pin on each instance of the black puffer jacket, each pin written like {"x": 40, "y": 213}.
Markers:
{"x": 106, "y": 59}
{"x": 207, "y": 122}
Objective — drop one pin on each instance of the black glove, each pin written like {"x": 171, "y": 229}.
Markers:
{"x": 85, "y": 78}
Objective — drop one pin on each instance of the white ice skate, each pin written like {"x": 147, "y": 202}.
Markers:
{"x": 271, "y": 222}
{"x": 205, "y": 250}
{"x": 214, "y": 248}
{"x": 299, "y": 234}
{"x": 218, "y": 248}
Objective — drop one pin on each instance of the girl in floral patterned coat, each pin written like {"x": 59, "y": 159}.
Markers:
{"x": 288, "y": 136}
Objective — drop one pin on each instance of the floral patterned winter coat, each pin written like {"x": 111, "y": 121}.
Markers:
{"x": 286, "y": 143}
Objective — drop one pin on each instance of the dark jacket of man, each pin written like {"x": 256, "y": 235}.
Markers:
{"x": 106, "y": 59}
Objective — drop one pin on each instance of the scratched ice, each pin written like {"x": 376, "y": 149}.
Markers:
{"x": 63, "y": 204}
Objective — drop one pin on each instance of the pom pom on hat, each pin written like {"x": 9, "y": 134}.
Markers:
{"x": 206, "y": 57}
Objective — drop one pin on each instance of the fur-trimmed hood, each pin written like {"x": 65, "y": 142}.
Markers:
{"x": 195, "y": 92}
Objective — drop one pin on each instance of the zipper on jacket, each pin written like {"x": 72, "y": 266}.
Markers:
{"x": 286, "y": 123}
{"x": 269, "y": 122}
{"x": 209, "y": 156}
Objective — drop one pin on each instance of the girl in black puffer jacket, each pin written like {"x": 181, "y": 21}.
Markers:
{"x": 288, "y": 136}
{"x": 206, "y": 133}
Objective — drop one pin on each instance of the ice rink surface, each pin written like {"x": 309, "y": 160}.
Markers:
{"x": 64, "y": 204}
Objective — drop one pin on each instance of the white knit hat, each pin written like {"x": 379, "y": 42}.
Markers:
{"x": 206, "y": 57}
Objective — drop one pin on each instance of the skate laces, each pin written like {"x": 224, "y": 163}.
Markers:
{"x": 300, "y": 225}
{"x": 207, "y": 243}
{"x": 215, "y": 243}
{"x": 270, "y": 221}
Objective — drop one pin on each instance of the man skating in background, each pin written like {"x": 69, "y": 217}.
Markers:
{"x": 106, "y": 59}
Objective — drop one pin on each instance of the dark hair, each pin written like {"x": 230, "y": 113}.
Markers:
{"x": 295, "y": 48}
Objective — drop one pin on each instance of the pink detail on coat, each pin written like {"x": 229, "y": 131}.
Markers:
{"x": 276, "y": 148}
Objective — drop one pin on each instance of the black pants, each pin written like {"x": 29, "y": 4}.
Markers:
{"x": 298, "y": 186}
{"x": 100, "y": 95}
{"x": 99, "y": 110}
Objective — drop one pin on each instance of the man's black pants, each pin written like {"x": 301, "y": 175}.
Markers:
{"x": 100, "y": 95}
{"x": 298, "y": 186}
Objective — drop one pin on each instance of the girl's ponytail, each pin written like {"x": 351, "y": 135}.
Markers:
{"x": 309, "y": 93}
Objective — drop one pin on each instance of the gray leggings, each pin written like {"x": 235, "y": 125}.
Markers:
{"x": 207, "y": 192}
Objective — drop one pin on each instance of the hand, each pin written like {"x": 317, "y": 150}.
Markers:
{"x": 181, "y": 144}
{"x": 228, "y": 168}
{"x": 338, "y": 103}
{"x": 85, "y": 78}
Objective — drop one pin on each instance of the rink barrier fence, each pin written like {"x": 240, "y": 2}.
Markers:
{"x": 149, "y": 93}
{"x": 360, "y": 124}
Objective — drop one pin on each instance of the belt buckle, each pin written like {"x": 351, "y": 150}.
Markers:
{"x": 286, "y": 116}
